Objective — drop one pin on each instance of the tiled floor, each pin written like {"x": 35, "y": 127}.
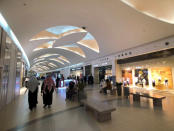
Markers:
{"x": 68, "y": 116}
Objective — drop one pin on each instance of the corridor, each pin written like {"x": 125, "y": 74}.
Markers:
{"x": 66, "y": 115}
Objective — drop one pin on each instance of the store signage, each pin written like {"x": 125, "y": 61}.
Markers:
{"x": 78, "y": 68}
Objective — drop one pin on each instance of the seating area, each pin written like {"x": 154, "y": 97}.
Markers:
{"x": 98, "y": 116}
{"x": 102, "y": 110}
{"x": 157, "y": 99}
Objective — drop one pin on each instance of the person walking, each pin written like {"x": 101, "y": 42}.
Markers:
{"x": 48, "y": 89}
{"x": 32, "y": 86}
{"x": 57, "y": 82}
{"x": 70, "y": 91}
{"x": 84, "y": 79}
{"x": 63, "y": 79}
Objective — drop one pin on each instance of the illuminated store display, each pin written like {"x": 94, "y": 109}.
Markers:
{"x": 141, "y": 77}
{"x": 162, "y": 77}
{"x": 153, "y": 74}
{"x": 127, "y": 77}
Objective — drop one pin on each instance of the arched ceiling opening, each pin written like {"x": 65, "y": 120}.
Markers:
{"x": 54, "y": 36}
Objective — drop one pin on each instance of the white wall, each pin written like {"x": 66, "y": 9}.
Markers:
{"x": 65, "y": 72}
{"x": 146, "y": 48}
{"x": 139, "y": 50}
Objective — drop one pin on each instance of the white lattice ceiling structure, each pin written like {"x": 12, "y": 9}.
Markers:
{"x": 54, "y": 36}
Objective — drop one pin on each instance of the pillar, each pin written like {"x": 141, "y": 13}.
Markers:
{"x": 118, "y": 72}
{"x": 150, "y": 78}
{"x": 133, "y": 77}
{"x": 173, "y": 76}
{"x": 113, "y": 67}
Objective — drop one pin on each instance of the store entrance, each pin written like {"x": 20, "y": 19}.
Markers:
{"x": 76, "y": 72}
{"x": 153, "y": 77}
{"x": 104, "y": 72}
{"x": 162, "y": 78}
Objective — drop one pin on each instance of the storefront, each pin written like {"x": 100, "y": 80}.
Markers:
{"x": 155, "y": 73}
{"x": 11, "y": 69}
{"x": 103, "y": 72}
{"x": 74, "y": 72}
{"x": 88, "y": 70}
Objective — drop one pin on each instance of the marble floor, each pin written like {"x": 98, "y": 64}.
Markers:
{"x": 67, "y": 116}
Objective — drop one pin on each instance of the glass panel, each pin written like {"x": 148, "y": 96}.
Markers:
{"x": 18, "y": 71}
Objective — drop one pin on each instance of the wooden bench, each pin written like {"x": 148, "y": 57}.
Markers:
{"x": 157, "y": 99}
{"x": 102, "y": 110}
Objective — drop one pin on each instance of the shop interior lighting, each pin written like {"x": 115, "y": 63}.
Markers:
{"x": 128, "y": 69}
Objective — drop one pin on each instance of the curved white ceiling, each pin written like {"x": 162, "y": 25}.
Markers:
{"x": 63, "y": 38}
{"x": 159, "y": 9}
{"x": 114, "y": 25}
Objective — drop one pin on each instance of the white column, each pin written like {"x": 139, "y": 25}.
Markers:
{"x": 150, "y": 78}
{"x": 84, "y": 71}
{"x": 113, "y": 67}
{"x": 118, "y": 72}
{"x": 173, "y": 75}
{"x": 92, "y": 70}
{"x": 133, "y": 77}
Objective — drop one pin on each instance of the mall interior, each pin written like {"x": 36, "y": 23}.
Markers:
{"x": 130, "y": 43}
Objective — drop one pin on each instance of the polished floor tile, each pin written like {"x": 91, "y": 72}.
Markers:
{"x": 66, "y": 115}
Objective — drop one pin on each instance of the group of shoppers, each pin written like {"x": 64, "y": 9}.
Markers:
{"x": 87, "y": 79}
{"x": 105, "y": 85}
{"x": 59, "y": 80}
{"x": 47, "y": 90}
{"x": 75, "y": 89}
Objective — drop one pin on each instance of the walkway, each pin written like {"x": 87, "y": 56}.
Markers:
{"x": 67, "y": 116}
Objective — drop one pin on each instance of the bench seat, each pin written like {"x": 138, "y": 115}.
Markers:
{"x": 157, "y": 99}
{"x": 102, "y": 110}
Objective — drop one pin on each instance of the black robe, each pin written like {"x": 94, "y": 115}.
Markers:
{"x": 32, "y": 98}
{"x": 47, "y": 95}
{"x": 57, "y": 82}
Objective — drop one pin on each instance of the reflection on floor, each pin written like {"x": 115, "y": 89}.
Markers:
{"x": 66, "y": 116}
{"x": 170, "y": 91}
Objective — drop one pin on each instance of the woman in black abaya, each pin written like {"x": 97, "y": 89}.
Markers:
{"x": 32, "y": 86}
{"x": 48, "y": 87}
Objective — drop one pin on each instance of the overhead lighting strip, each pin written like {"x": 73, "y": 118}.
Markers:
{"x": 6, "y": 27}
{"x": 64, "y": 59}
{"x": 54, "y": 59}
